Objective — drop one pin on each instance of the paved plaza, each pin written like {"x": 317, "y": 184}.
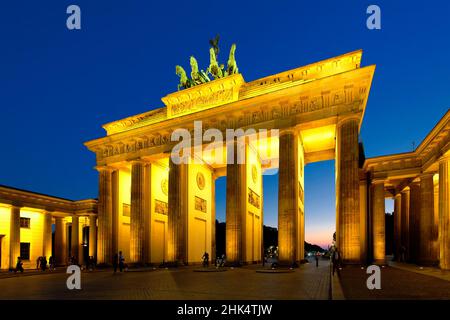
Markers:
{"x": 306, "y": 282}
{"x": 247, "y": 283}
{"x": 405, "y": 283}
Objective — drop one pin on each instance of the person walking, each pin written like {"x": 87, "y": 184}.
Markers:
{"x": 335, "y": 259}
{"x": 205, "y": 258}
{"x": 115, "y": 262}
{"x": 51, "y": 262}
{"x": 44, "y": 263}
{"x": 121, "y": 261}
{"x": 19, "y": 265}
{"x": 317, "y": 255}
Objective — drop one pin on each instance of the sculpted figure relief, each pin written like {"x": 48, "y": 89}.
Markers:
{"x": 215, "y": 69}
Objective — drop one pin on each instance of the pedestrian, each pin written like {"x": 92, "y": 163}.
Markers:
{"x": 205, "y": 259}
{"x": 38, "y": 263}
{"x": 51, "y": 262}
{"x": 121, "y": 261}
{"x": 115, "y": 262}
{"x": 44, "y": 263}
{"x": 335, "y": 259}
{"x": 317, "y": 258}
{"x": 402, "y": 254}
{"x": 19, "y": 265}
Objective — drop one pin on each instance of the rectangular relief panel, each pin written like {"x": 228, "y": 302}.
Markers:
{"x": 254, "y": 199}
{"x": 200, "y": 204}
{"x": 161, "y": 207}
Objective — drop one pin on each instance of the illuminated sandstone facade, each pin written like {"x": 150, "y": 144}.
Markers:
{"x": 418, "y": 182}
{"x": 157, "y": 211}
{"x": 26, "y": 227}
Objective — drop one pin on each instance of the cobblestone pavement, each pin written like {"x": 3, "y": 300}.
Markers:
{"x": 307, "y": 282}
{"x": 395, "y": 284}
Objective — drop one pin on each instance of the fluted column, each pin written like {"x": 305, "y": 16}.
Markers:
{"x": 115, "y": 185}
{"x": 105, "y": 212}
{"x": 414, "y": 222}
{"x": 213, "y": 217}
{"x": 60, "y": 242}
{"x": 397, "y": 225}
{"x": 444, "y": 213}
{"x": 347, "y": 191}
{"x": 436, "y": 216}
{"x": 138, "y": 211}
{"x": 287, "y": 198}
{"x": 178, "y": 213}
{"x": 47, "y": 235}
{"x": 427, "y": 253}
{"x": 93, "y": 236}
{"x": 405, "y": 221}
{"x": 235, "y": 207}
{"x": 75, "y": 238}
{"x": 14, "y": 236}
{"x": 378, "y": 222}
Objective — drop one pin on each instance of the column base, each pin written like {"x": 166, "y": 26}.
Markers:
{"x": 287, "y": 264}
{"x": 428, "y": 263}
{"x": 380, "y": 262}
{"x": 233, "y": 264}
{"x": 173, "y": 264}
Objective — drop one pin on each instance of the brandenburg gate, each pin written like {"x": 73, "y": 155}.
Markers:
{"x": 156, "y": 210}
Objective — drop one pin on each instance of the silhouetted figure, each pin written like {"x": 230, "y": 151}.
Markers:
{"x": 19, "y": 265}
{"x": 38, "y": 262}
{"x": 317, "y": 255}
{"x": 121, "y": 261}
{"x": 402, "y": 254}
{"x": 52, "y": 263}
{"x": 336, "y": 260}
{"x": 115, "y": 262}
{"x": 205, "y": 258}
{"x": 43, "y": 263}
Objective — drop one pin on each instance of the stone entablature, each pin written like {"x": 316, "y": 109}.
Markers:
{"x": 23, "y": 198}
{"x": 232, "y": 88}
{"x": 346, "y": 93}
{"x": 136, "y": 121}
{"x": 411, "y": 164}
{"x": 208, "y": 95}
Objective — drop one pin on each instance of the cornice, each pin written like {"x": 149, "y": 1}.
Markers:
{"x": 346, "y": 94}
{"x": 22, "y": 198}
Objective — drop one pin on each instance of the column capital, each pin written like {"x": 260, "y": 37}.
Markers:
{"x": 444, "y": 158}
{"x": 104, "y": 168}
{"x": 415, "y": 182}
{"x": 48, "y": 212}
{"x": 16, "y": 206}
{"x": 346, "y": 119}
{"x": 426, "y": 175}
{"x": 405, "y": 190}
{"x": 292, "y": 131}
{"x": 377, "y": 181}
{"x": 139, "y": 161}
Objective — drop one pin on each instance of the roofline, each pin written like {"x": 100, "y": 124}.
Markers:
{"x": 46, "y": 195}
{"x": 418, "y": 151}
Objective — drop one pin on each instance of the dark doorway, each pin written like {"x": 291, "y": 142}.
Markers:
{"x": 69, "y": 240}
{"x": 85, "y": 244}
{"x": 1, "y": 239}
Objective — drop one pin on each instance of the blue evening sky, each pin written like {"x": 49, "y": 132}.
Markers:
{"x": 57, "y": 87}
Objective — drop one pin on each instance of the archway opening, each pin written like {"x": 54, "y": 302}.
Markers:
{"x": 320, "y": 206}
